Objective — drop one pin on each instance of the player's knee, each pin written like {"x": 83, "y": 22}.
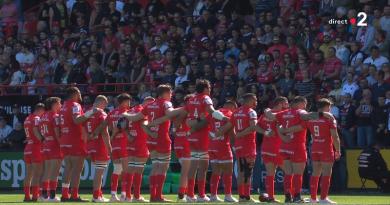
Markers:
{"x": 100, "y": 165}
{"x": 117, "y": 169}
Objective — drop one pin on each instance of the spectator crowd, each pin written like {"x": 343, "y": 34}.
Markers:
{"x": 267, "y": 47}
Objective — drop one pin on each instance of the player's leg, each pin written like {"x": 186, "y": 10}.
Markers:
{"x": 325, "y": 181}
{"x": 37, "y": 168}
{"x": 160, "y": 175}
{"x": 203, "y": 166}
{"x": 127, "y": 180}
{"x": 27, "y": 182}
{"x": 185, "y": 164}
{"x": 136, "y": 165}
{"x": 100, "y": 166}
{"x": 66, "y": 178}
{"x": 269, "y": 180}
{"x": 214, "y": 180}
{"x": 287, "y": 181}
{"x": 53, "y": 178}
{"x": 46, "y": 178}
{"x": 191, "y": 178}
{"x": 77, "y": 168}
{"x": 298, "y": 169}
{"x": 246, "y": 165}
{"x": 116, "y": 173}
{"x": 315, "y": 176}
{"x": 227, "y": 173}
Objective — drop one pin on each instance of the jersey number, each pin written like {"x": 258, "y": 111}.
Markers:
{"x": 89, "y": 127}
{"x": 239, "y": 124}
{"x": 62, "y": 119}
{"x": 196, "y": 115}
{"x": 44, "y": 129}
{"x": 316, "y": 131}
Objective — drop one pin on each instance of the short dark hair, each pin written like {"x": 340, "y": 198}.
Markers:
{"x": 148, "y": 98}
{"x": 123, "y": 97}
{"x": 163, "y": 88}
{"x": 298, "y": 99}
{"x": 280, "y": 99}
{"x": 71, "y": 91}
{"x": 39, "y": 106}
{"x": 49, "y": 102}
{"x": 248, "y": 96}
{"x": 201, "y": 85}
{"x": 321, "y": 103}
{"x": 188, "y": 97}
{"x": 231, "y": 102}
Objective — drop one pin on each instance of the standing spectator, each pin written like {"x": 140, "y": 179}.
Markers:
{"x": 365, "y": 36}
{"x": 286, "y": 84}
{"x": 380, "y": 88}
{"x": 347, "y": 121}
{"x": 16, "y": 117}
{"x": 380, "y": 119}
{"x": 364, "y": 114}
{"x": 342, "y": 52}
{"x": 243, "y": 65}
{"x": 349, "y": 86}
{"x": 382, "y": 43}
{"x": 25, "y": 57}
{"x": 385, "y": 21}
{"x": 306, "y": 87}
{"x": 376, "y": 58}
{"x": 337, "y": 90}
{"x": 356, "y": 57}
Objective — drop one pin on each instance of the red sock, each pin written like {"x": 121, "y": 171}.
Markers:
{"x": 35, "y": 192}
{"x": 27, "y": 192}
{"x": 314, "y": 187}
{"x": 65, "y": 191}
{"x": 45, "y": 185}
{"x": 202, "y": 188}
{"x": 214, "y": 184}
{"x": 137, "y": 182}
{"x": 160, "y": 179}
{"x": 75, "y": 192}
{"x": 269, "y": 186}
{"x": 182, "y": 190}
{"x": 241, "y": 190}
{"x": 114, "y": 183}
{"x": 247, "y": 190}
{"x": 100, "y": 192}
{"x": 227, "y": 183}
{"x": 96, "y": 194}
{"x": 124, "y": 183}
{"x": 287, "y": 184}
{"x": 53, "y": 185}
{"x": 297, "y": 184}
{"x": 152, "y": 186}
{"x": 129, "y": 184}
{"x": 325, "y": 183}
{"x": 191, "y": 188}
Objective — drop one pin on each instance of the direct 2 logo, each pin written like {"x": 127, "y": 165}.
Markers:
{"x": 361, "y": 20}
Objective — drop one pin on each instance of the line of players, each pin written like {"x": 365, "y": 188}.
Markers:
{"x": 130, "y": 135}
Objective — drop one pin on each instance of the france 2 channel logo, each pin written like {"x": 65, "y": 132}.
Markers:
{"x": 361, "y": 20}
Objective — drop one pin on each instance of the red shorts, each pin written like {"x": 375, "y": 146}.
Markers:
{"x": 199, "y": 141}
{"x": 97, "y": 151}
{"x": 323, "y": 155}
{"x": 245, "y": 150}
{"x": 119, "y": 148}
{"x": 51, "y": 150}
{"x": 293, "y": 152}
{"x": 221, "y": 154}
{"x": 74, "y": 150}
{"x": 182, "y": 148}
{"x": 139, "y": 150}
{"x": 33, "y": 155}
{"x": 274, "y": 158}
{"x": 159, "y": 145}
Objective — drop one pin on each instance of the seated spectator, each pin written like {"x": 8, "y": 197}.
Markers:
{"x": 380, "y": 88}
{"x": 5, "y": 131}
{"x": 356, "y": 57}
{"x": 372, "y": 166}
{"x": 376, "y": 58}
{"x": 349, "y": 86}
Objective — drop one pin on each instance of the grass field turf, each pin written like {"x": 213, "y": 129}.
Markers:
{"x": 11, "y": 198}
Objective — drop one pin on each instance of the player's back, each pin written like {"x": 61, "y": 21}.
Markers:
{"x": 269, "y": 141}
{"x": 216, "y": 124}
{"x": 94, "y": 122}
{"x": 320, "y": 131}
{"x": 48, "y": 122}
{"x": 71, "y": 133}
{"x": 29, "y": 123}
{"x": 156, "y": 110}
{"x": 245, "y": 145}
{"x": 135, "y": 128}
{"x": 292, "y": 117}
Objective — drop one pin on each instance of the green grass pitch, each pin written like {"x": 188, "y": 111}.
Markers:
{"x": 12, "y": 198}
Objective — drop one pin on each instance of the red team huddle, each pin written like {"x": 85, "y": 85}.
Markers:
{"x": 132, "y": 133}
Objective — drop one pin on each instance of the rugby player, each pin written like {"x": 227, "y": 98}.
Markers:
{"x": 50, "y": 130}
{"x": 73, "y": 143}
{"x": 32, "y": 154}
{"x": 221, "y": 157}
{"x": 98, "y": 146}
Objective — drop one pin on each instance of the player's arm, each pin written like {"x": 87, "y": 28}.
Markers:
{"x": 251, "y": 128}
{"x": 315, "y": 115}
{"x": 284, "y": 137}
{"x": 269, "y": 114}
{"x": 336, "y": 141}
{"x": 37, "y": 133}
{"x": 78, "y": 118}
{"x": 57, "y": 135}
{"x": 170, "y": 113}
{"x": 224, "y": 129}
{"x": 292, "y": 129}
{"x": 134, "y": 117}
{"x": 99, "y": 129}
{"x": 106, "y": 138}
{"x": 146, "y": 128}
{"x": 216, "y": 114}
{"x": 266, "y": 133}
{"x": 84, "y": 134}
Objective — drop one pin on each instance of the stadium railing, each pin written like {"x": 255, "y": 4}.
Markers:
{"x": 58, "y": 89}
